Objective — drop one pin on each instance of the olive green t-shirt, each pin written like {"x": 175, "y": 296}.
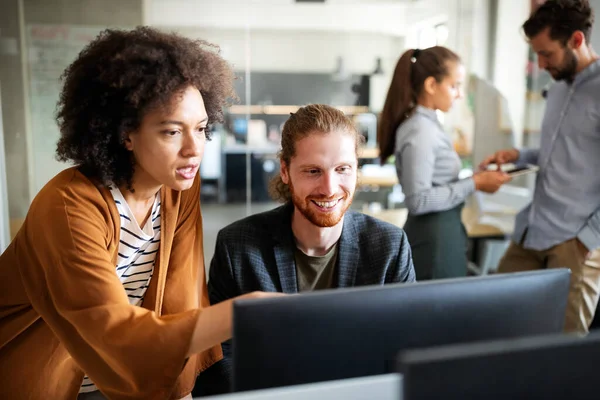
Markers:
{"x": 315, "y": 273}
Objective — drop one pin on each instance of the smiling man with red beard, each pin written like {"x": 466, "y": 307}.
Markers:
{"x": 313, "y": 241}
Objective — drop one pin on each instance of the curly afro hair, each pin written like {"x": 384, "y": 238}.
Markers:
{"x": 116, "y": 79}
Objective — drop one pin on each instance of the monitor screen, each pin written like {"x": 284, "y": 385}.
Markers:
{"x": 240, "y": 126}
{"x": 345, "y": 333}
{"x": 545, "y": 367}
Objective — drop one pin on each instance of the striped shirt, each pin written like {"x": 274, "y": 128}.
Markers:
{"x": 566, "y": 199}
{"x": 428, "y": 166}
{"x": 137, "y": 253}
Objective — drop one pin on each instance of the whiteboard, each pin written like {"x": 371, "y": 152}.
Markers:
{"x": 50, "y": 49}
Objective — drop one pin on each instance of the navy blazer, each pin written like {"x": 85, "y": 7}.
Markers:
{"x": 257, "y": 253}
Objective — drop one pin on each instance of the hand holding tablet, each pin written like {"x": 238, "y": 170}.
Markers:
{"x": 490, "y": 181}
{"x": 514, "y": 170}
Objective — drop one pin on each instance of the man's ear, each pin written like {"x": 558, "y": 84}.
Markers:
{"x": 430, "y": 85}
{"x": 283, "y": 171}
{"x": 577, "y": 39}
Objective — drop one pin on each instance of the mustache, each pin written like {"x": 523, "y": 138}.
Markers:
{"x": 341, "y": 196}
{"x": 326, "y": 198}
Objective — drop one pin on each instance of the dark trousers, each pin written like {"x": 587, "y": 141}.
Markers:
{"x": 215, "y": 380}
{"x": 439, "y": 244}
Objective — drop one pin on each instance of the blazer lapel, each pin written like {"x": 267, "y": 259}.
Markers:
{"x": 348, "y": 253}
{"x": 284, "y": 250}
{"x": 286, "y": 267}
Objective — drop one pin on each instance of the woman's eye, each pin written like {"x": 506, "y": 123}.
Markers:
{"x": 205, "y": 131}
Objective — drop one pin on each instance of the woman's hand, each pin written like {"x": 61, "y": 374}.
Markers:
{"x": 214, "y": 323}
{"x": 490, "y": 181}
{"x": 500, "y": 157}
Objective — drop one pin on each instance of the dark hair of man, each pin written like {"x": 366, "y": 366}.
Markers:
{"x": 563, "y": 18}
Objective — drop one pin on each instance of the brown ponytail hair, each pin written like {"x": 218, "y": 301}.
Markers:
{"x": 413, "y": 68}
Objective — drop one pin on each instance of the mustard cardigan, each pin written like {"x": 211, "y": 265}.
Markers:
{"x": 63, "y": 310}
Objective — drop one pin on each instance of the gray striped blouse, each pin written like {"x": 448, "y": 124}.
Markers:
{"x": 428, "y": 166}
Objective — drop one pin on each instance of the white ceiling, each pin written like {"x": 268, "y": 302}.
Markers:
{"x": 390, "y": 17}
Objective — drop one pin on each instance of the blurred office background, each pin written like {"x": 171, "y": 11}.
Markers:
{"x": 286, "y": 53}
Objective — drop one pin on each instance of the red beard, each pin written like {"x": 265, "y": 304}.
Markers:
{"x": 321, "y": 219}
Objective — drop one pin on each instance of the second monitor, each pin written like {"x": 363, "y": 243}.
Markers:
{"x": 345, "y": 333}
{"x": 549, "y": 367}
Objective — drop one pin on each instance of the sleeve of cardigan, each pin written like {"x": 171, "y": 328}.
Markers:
{"x": 186, "y": 266}
{"x": 127, "y": 351}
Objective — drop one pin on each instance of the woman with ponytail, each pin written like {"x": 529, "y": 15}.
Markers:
{"x": 425, "y": 81}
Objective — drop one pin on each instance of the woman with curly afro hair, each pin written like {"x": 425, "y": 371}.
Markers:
{"x": 102, "y": 291}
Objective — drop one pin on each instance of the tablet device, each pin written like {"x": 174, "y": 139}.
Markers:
{"x": 514, "y": 170}
{"x": 521, "y": 170}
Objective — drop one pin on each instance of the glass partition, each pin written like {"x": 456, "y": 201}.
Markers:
{"x": 285, "y": 54}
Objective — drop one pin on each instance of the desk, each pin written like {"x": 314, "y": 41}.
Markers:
{"x": 385, "y": 181}
{"x": 368, "y": 152}
{"x": 481, "y": 229}
{"x": 380, "y": 387}
{"x": 375, "y": 188}
{"x": 478, "y": 225}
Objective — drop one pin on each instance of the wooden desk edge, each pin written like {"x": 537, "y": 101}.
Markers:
{"x": 474, "y": 228}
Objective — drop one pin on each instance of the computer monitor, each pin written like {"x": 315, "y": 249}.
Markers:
{"x": 346, "y": 333}
{"x": 546, "y": 367}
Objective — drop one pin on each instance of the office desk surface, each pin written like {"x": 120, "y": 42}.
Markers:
{"x": 477, "y": 224}
{"x": 368, "y": 152}
{"x": 380, "y": 387}
{"x": 384, "y": 180}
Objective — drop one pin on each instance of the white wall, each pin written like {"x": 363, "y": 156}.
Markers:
{"x": 468, "y": 24}
{"x": 280, "y": 35}
{"x": 511, "y": 60}
{"x": 595, "y": 40}
{"x": 299, "y": 51}
{"x": 351, "y": 16}
{"x": 481, "y": 51}
{"x": 308, "y": 51}
{"x": 474, "y": 17}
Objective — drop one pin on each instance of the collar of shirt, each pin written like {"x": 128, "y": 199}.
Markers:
{"x": 588, "y": 72}
{"x": 428, "y": 112}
